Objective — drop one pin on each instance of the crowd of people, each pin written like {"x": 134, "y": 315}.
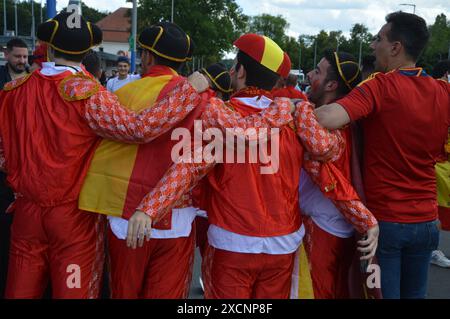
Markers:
{"x": 97, "y": 194}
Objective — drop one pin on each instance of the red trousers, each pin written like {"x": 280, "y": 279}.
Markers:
{"x": 61, "y": 244}
{"x": 162, "y": 269}
{"x": 330, "y": 258}
{"x": 201, "y": 230}
{"x": 230, "y": 275}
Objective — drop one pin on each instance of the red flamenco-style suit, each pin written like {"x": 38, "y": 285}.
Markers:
{"x": 49, "y": 129}
{"x": 235, "y": 203}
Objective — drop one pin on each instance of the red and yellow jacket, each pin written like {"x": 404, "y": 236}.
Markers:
{"x": 121, "y": 174}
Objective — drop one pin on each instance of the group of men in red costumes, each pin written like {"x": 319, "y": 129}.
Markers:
{"x": 88, "y": 166}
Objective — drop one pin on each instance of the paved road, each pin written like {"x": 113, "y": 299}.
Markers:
{"x": 438, "y": 283}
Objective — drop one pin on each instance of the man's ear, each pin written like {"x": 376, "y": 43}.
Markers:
{"x": 241, "y": 73}
{"x": 151, "y": 58}
{"x": 396, "y": 48}
{"x": 331, "y": 86}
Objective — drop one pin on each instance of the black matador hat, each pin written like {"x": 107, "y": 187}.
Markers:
{"x": 346, "y": 67}
{"x": 168, "y": 41}
{"x": 219, "y": 76}
{"x": 63, "y": 34}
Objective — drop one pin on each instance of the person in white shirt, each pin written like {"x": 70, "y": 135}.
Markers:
{"x": 123, "y": 78}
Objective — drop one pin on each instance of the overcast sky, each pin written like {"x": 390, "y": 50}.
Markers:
{"x": 310, "y": 16}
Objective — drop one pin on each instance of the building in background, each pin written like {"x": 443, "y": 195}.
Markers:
{"x": 116, "y": 29}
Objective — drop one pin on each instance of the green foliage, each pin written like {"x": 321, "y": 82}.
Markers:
{"x": 212, "y": 24}
{"x": 24, "y": 15}
{"x": 215, "y": 24}
{"x": 91, "y": 14}
{"x": 439, "y": 46}
{"x": 274, "y": 27}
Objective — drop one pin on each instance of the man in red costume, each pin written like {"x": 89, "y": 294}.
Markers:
{"x": 120, "y": 175}
{"x": 329, "y": 242}
{"x": 255, "y": 222}
{"x": 50, "y": 125}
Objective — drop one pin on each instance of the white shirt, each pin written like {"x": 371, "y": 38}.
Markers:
{"x": 115, "y": 83}
{"x": 279, "y": 245}
{"x": 50, "y": 69}
{"x": 322, "y": 210}
{"x": 181, "y": 225}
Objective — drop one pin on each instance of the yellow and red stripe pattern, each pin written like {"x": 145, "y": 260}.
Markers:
{"x": 266, "y": 52}
{"x": 116, "y": 168}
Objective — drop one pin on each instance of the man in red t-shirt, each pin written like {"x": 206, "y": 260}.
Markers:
{"x": 405, "y": 116}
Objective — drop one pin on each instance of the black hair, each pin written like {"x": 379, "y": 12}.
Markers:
{"x": 440, "y": 69}
{"x": 70, "y": 57}
{"x": 257, "y": 74}
{"x": 15, "y": 43}
{"x": 162, "y": 61}
{"x": 409, "y": 29}
{"x": 171, "y": 64}
{"x": 92, "y": 63}
{"x": 368, "y": 63}
{"x": 349, "y": 71}
{"x": 123, "y": 59}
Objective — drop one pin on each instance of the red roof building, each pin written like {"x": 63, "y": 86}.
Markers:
{"x": 116, "y": 29}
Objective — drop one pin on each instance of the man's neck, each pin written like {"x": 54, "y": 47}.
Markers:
{"x": 327, "y": 99}
{"x": 59, "y": 61}
{"x": 123, "y": 77}
{"x": 400, "y": 64}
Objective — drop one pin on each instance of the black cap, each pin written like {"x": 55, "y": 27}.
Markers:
{"x": 123, "y": 59}
{"x": 346, "y": 67}
{"x": 168, "y": 41}
{"x": 59, "y": 34}
{"x": 219, "y": 76}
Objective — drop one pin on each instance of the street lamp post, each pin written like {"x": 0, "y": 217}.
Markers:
{"x": 4, "y": 17}
{"x": 33, "y": 26}
{"x": 133, "y": 36}
{"x": 315, "y": 53}
{"x": 173, "y": 5}
{"x": 300, "y": 58}
{"x": 360, "y": 51}
{"x": 448, "y": 52}
{"x": 15, "y": 18}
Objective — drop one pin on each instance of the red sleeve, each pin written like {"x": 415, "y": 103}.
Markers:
{"x": 2, "y": 156}
{"x": 365, "y": 98}
{"x": 109, "y": 119}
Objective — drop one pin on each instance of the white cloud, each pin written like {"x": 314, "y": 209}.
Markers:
{"x": 310, "y": 16}
{"x": 102, "y": 5}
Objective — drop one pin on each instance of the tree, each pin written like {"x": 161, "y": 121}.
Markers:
{"x": 359, "y": 34}
{"x": 439, "y": 45}
{"x": 24, "y": 15}
{"x": 91, "y": 14}
{"x": 271, "y": 26}
{"x": 213, "y": 25}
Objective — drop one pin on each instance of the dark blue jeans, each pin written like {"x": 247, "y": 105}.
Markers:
{"x": 404, "y": 253}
